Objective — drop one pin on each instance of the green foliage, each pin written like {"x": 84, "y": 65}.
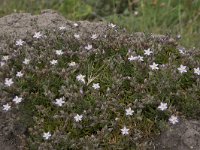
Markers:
{"x": 123, "y": 83}
{"x": 75, "y": 9}
{"x": 174, "y": 17}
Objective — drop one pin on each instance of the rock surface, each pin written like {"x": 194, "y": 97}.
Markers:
{"x": 183, "y": 136}
{"x": 18, "y": 26}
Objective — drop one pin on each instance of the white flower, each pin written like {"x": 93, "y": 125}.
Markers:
{"x": 53, "y": 62}
{"x": 96, "y": 86}
{"x": 136, "y": 13}
{"x": 140, "y": 58}
{"x": 94, "y": 36}
{"x": 197, "y": 71}
{"x": 5, "y": 58}
{"x": 124, "y": 131}
{"x": 148, "y": 52}
{"x": 77, "y": 36}
{"x": 81, "y": 90}
{"x": 88, "y": 47}
{"x": 60, "y": 101}
{"x": 173, "y": 119}
{"x": 112, "y": 25}
{"x": 178, "y": 36}
{"x": 81, "y": 78}
{"x": 59, "y": 52}
{"x": 131, "y": 58}
{"x": 62, "y": 28}
{"x": 162, "y": 106}
{"x": 2, "y": 63}
{"x": 182, "y": 69}
{"x": 17, "y": 99}
{"x": 8, "y": 82}
{"x": 163, "y": 65}
{"x": 19, "y": 74}
{"x": 46, "y": 135}
{"x": 19, "y": 42}
{"x": 154, "y": 66}
{"x": 37, "y": 35}
{"x": 76, "y": 24}
{"x": 129, "y": 112}
{"x": 181, "y": 50}
{"x": 6, "y": 107}
{"x": 26, "y": 61}
{"x": 78, "y": 117}
{"x": 72, "y": 64}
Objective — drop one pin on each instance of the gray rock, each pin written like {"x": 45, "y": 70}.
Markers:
{"x": 183, "y": 136}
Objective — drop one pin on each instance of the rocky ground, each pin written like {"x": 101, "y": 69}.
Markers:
{"x": 183, "y": 136}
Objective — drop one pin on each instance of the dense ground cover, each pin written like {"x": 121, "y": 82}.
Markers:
{"x": 77, "y": 85}
{"x": 71, "y": 86}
